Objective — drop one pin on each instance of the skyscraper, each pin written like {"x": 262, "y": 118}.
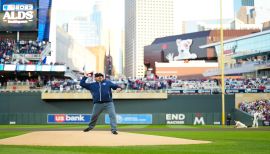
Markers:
{"x": 83, "y": 31}
{"x": 96, "y": 18}
{"x": 240, "y": 3}
{"x": 86, "y": 30}
{"x": 145, "y": 20}
{"x": 244, "y": 11}
{"x": 247, "y": 2}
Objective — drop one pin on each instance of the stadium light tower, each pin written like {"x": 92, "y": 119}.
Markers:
{"x": 222, "y": 67}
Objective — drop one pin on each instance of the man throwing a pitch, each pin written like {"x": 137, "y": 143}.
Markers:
{"x": 102, "y": 99}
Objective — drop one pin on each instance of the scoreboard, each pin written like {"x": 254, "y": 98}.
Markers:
{"x": 18, "y": 15}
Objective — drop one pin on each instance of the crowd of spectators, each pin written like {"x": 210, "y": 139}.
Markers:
{"x": 146, "y": 84}
{"x": 253, "y": 60}
{"x": 8, "y": 47}
{"x": 30, "y": 47}
{"x": 257, "y": 83}
{"x": 62, "y": 85}
{"x": 260, "y": 106}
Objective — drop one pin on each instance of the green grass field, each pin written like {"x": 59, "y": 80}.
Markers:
{"x": 225, "y": 140}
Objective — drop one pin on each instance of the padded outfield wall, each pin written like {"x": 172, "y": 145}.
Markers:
{"x": 29, "y": 108}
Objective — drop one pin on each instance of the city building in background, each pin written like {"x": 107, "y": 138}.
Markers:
{"x": 144, "y": 21}
{"x": 247, "y": 56}
{"x": 266, "y": 25}
{"x": 76, "y": 56}
{"x": 181, "y": 56}
{"x": 83, "y": 31}
{"x": 250, "y": 14}
{"x": 204, "y": 25}
{"x": 244, "y": 14}
{"x": 98, "y": 29}
{"x": 100, "y": 54}
{"x": 87, "y": 30}
{"x": 96, "y": 18}
{"x": 244, "y": 11}
{"x": 115, "y": 51}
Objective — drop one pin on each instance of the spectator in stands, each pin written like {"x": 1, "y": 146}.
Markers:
{"x": 102, "y": 99}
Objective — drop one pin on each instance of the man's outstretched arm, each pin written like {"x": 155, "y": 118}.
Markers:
{"x": 84, "y": 84}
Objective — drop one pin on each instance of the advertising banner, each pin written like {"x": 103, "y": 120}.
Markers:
{"x": 131, "y": 118}
{"x": 38, "y": 67}
{"x": 20, "y": 68}
{"x": 175, "y": 118}
{"x": 209, "y": 91}
{"x": 19, "y": 15}
{"x": 68, "y": 118}
{"x": 30, "y": 68}
{"x": 1, "y": 67}
{"x": 46, "y": 68}
{"x": 10, "y": 67}
{"x": 58, "y": 68}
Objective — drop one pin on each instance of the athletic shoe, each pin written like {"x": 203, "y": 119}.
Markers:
{"x": 114, "y": 132}
{"x": 87, "y": 129}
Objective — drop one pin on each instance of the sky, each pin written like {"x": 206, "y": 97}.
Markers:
{"x": 202, "y": 9}
{"x": 184, "y": 10}
{"x": 114, "y": 9}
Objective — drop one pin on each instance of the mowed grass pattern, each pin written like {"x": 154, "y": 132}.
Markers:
{"x": 224, "y": 141}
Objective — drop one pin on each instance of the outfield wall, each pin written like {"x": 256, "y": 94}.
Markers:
{"x": 29, "y": 108}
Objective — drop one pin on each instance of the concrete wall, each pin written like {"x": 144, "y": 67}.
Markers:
{"x": 121, "y": 95}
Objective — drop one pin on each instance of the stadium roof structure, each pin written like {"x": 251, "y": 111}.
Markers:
{"x": 236, "y": 39}
{"x": 182, "y": 36}
{"x": 250, "y": 54}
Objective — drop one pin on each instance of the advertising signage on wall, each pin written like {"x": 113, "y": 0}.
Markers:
{"x": 68, "y": 118}
{"x": 19, "y": 15}
{"x": 131, "y": 118}
{"x": 1, "y": 67}
{"x": 42, "y": 68}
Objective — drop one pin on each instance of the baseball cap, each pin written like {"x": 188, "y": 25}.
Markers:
{"x": 99, "y": 74}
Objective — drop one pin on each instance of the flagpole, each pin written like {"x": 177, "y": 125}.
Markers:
{"x": 222, "y": 67}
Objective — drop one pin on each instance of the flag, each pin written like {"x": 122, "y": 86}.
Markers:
{"x": 44, "y": 60}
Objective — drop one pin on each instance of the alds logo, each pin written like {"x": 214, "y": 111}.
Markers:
{"x": 20, "y": 15}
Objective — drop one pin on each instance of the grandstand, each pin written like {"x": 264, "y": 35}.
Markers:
{"x": 26, "y": 77}
{"x": 247, "y": 56}
{"x": 25, "y": 46}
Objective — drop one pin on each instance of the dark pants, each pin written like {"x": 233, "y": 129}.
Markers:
{"x": 228, "y": 122}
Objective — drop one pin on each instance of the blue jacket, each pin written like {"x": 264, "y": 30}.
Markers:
{"x": 101, "y": 91}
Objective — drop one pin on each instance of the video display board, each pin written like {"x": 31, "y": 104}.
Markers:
{"x": 18, "y": 15}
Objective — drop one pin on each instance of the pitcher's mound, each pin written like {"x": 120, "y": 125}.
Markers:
{"x": 92, "y": 138}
